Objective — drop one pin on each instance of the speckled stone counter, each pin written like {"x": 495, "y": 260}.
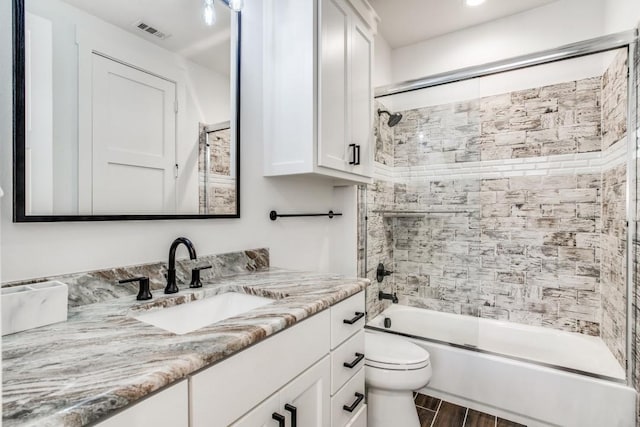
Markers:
{"x": 101, "y": 360}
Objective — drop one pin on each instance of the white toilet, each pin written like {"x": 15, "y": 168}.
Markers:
{"x": 394, "y": 368}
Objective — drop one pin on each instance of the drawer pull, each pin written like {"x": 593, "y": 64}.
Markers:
{"x": 354, "y": 405}
{"x": 358, "y": 359}
{"x": 357, "y": 317}
{"x": 279, "y": 418}
{"x": 294, "y": 414}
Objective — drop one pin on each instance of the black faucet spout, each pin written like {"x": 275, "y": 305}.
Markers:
{"x": 172, "y": 287}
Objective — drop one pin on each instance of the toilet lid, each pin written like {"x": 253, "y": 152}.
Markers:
{"x": 389, "y": 352}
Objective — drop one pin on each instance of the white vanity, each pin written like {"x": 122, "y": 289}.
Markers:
{"x": 300, "y": 371}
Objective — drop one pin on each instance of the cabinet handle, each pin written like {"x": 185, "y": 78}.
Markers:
{"x": 357, "y": 317}
{"x": 354, "y": 405}
{"x": 279, "y": 418}
{"x": 358, "y": 359}
{"x": 357, "y": 154}
{"x": 294, "y": 414}
{"x": 353, "y": 154}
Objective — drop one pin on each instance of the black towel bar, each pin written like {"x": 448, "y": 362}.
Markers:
{"x": 273, "y": 215}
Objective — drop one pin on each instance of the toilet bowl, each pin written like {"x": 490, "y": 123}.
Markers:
{"x": 394, "y": 368}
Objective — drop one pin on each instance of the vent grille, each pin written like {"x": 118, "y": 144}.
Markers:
{"x": 149, "y": 29}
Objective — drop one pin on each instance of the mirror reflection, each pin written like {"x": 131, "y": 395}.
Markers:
{"x": 130, "y": 107}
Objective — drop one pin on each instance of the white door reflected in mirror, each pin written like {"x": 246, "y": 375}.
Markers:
{"x": 134, "y": 140}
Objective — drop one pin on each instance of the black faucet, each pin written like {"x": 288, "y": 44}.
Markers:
{"x": 143, "y": 293}
{"x": 171, "y": 287}
{"x": 381, "y": 273}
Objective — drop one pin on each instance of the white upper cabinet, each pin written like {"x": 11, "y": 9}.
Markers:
{"x": 361, "y": 96}
{"x": 318, "y": 98}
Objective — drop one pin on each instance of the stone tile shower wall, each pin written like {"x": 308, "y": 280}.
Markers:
{"x": 614, "y": 224}
{"x": 557, "y": 119}
{"x": 379, "y": 232}
{"x": 380, "y": 243}
{"x": 524, "y": 251}
{"x": 534, "y": 186}
{"x": 221, "y": 196}
{"x": 613, "y": 260}
{"x": 636, "y": 246}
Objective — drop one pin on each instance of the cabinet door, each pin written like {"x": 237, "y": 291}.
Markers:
{"x": 333, "y": 84}
{"x": 261, "y": 415}
{"x": 309, "y": 394}
{"x": 228, "y": 390}
{"x": 361, "y": 95}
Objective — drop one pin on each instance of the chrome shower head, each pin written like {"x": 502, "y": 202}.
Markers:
{"x": 394, "y": 118}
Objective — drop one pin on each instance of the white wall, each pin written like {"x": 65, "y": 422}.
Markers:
{"x": 555, "y": 24}
{"x": 208, "y": 101}
{"x": 65, "y": 102}
{"x": 621, "y": 15}
{"x": 381, "y": 62}
{"x": 39, "y": 126}
{"x": 35, "y": 250}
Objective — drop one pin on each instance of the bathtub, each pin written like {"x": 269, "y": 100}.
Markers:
{"x": 532, "y": 375}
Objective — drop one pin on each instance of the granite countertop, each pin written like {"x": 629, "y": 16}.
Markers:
{"x": 101, "y": 359}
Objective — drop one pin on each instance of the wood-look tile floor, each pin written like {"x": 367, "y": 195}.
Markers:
{"x": 438, "y": 413}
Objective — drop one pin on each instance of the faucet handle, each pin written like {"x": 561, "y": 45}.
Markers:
{"x": 195, "y": 276}
{"x": 143, "y": 293}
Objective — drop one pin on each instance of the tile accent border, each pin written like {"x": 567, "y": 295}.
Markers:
{"x": 561, "y": 164}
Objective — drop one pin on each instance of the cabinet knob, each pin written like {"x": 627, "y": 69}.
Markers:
{"x": 358, "y": 359}
{"x": 358, "y": 316}
{"x": 279, "y": 418}
{"x": 354, "y": 405}
{"x": 294, "y": 414}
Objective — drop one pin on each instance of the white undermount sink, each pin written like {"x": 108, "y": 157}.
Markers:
{"x": 191, "y": 316}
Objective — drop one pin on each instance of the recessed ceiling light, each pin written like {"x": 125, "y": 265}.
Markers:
{"x": 473, "y": 2}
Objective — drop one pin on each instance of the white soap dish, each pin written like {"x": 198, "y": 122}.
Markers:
{"x": 30, "y": 306}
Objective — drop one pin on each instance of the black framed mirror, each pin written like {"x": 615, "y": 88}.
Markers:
{"x": 126, "y": 110}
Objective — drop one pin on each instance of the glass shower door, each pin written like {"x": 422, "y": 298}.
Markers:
{"x": 423, "y": 214}
{"x": 500, "y": 205}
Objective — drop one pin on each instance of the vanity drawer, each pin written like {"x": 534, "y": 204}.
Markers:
{"x": 349, "y": 395}
{"x": 347, "y": 318}
{"x": 352, "y": 353}
{"x": 359, "y": 419}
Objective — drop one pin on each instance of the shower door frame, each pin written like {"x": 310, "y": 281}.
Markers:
{"x": 626, "y": 39}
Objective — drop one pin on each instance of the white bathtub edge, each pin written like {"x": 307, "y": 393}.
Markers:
{"x": 526, "y": 393}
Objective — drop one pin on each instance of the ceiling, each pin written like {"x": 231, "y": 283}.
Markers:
{"x": 404, "y": 22}
{"x": 182, "y": 20}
